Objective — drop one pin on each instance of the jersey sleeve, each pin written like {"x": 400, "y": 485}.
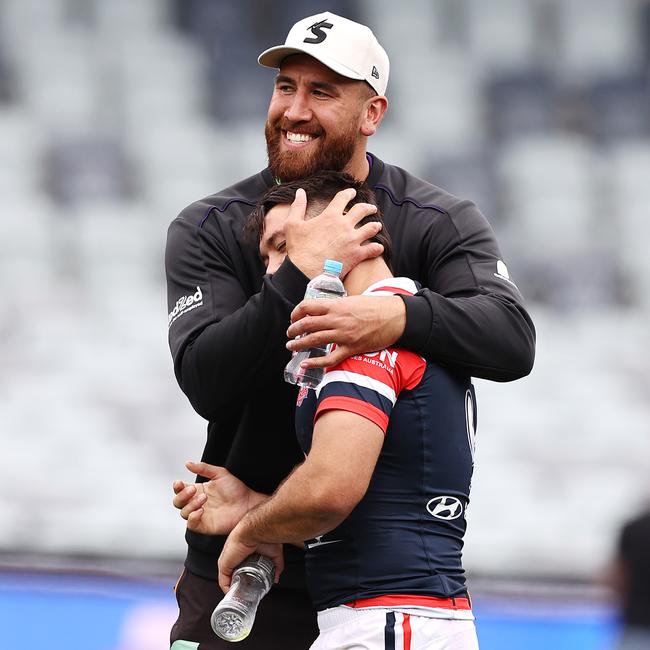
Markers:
{"x": 369, "y": 384}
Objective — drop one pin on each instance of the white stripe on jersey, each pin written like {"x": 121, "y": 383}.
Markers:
{"x": 360, "y": 380}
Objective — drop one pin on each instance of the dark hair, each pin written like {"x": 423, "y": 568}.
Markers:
{"x": 320, "y": 189}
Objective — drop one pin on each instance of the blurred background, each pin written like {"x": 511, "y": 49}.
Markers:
{"x": 116, "y": 114}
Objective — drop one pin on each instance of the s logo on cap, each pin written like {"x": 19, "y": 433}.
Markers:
{"x": 317, "y": 31}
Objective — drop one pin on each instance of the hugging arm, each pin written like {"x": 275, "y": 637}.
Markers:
{"x": 469, "y": 316}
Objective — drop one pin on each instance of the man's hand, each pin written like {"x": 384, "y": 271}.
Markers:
{"x": 238, "y": 547}
{"x": 330, "y": 235}
{"x": 217, "y": 506}
{"x": 357, "y": 324}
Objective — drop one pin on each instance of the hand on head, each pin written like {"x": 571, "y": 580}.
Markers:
{"x": 333, "y": 234}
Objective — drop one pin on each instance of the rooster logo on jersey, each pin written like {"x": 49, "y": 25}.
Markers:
{"x": 302, "y": 393}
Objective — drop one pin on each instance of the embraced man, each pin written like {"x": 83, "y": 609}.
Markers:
{"x": 381, "y": 496}
{"x": 227, "y": 323}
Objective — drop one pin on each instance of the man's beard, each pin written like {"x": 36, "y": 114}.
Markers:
{"x": 332, "y": 153}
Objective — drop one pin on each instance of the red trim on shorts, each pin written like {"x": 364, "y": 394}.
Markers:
{"x": 406, "y": 629}
{"x": 404, "y": 600}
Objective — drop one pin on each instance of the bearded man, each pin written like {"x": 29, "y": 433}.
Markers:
{"x": 228, "y": 321}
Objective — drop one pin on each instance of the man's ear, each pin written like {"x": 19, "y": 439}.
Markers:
{"x": 373, "y": 114}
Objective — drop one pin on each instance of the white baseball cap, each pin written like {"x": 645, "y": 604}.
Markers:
{"x": 344, "y": 46}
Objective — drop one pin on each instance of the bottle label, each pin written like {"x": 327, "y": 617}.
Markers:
{"x": 318, "y": 294}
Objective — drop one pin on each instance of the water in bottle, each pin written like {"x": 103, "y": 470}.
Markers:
{"x": 326, "y": 286}
{"x": 232, "y": 619}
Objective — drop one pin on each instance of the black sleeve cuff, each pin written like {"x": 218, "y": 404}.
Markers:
{"x": 419, "y": 322}
{"x": 290, "y": 282}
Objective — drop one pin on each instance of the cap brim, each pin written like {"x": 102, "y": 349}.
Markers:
{"x": 273, "y": 57}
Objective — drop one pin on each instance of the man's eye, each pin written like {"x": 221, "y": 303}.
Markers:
{"x": 281, "y": 247}
{"x": 320, "y": 93}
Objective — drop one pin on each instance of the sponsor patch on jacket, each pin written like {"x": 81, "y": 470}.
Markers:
{"x": 185, "y": 304}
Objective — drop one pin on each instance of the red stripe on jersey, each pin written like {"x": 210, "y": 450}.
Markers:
{"x": 352, "y": 405}
{"x": 406, "y": 629}
{"x": 411, "y": 368}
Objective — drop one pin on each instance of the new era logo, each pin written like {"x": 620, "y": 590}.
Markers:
{"x": 375, "y": 72}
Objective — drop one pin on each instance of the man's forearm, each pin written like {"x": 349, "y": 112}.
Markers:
{"x": 317, "y": 496}
{"x": 299, "y": 510}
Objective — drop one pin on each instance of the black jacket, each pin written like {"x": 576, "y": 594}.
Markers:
{"x": 228, "y": 321}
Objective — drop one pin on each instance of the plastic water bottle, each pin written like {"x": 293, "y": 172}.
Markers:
{"x": 232, "y": 619}
{"x": 327, "y": 285}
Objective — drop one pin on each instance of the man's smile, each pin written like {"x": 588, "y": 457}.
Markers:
{"x": 297, "y": 140}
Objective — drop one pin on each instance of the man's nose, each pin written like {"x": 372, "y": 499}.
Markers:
{"x": 298, "y": 109}
{"x": 273, "y": 266}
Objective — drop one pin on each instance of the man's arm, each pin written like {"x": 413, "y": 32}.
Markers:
{"x": 317, "y": 496}
{"x": 470, "y": 316}
{"x": 488, "y": 336}
{"x": 463, "y": 339}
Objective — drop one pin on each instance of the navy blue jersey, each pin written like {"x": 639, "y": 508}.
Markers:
{"x": 406, "y": 535}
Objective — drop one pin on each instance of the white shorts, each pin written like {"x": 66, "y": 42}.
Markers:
{"x": 348, "y": 628}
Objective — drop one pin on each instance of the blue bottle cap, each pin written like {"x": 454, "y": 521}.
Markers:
{"x": 332, "y": 266}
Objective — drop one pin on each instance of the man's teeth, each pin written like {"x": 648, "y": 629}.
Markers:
{"x": 299, "y": 137}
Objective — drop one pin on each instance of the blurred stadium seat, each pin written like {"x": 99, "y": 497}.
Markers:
{"x": 628, "y": 166}
{"x": 619, "y": 108}
{"x": 597, "y": 38}
{"x": 559, "y": 237}
{"x": 501, "y": 35}
{"x": 87, "y": 167}
{"x": 522, "y": 103}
